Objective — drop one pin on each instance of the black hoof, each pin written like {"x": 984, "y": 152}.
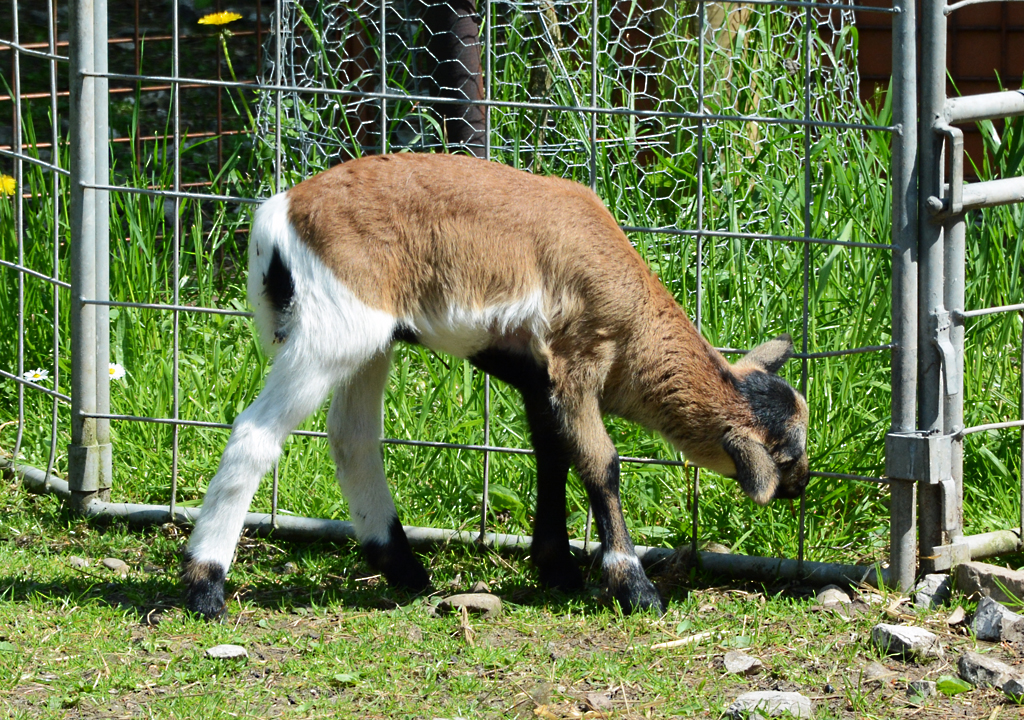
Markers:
{"x": 562, "y": 574}
{"x": 639, "y": 599}
{"x": 395, "y": 560}
{"x": 205, "y": 590}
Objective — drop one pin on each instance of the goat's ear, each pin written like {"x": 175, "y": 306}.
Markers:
{"x": 769, "y": 356}
{"x": 756, "y": 471}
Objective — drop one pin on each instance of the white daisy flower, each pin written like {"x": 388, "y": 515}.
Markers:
{"x": 116, "y": 371}
{"x": 36, "y": 376}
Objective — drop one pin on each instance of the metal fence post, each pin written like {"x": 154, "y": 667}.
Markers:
{"x": 83, "y": 452}
{"x": 903, "y": 496}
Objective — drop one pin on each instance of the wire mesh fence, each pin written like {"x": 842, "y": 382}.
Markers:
{"x": 727, "y": 139}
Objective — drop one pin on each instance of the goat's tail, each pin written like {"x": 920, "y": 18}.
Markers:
{"x": 271, "y": 284}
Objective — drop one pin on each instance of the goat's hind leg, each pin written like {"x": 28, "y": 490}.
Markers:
{"x": 291, "y": 393}
{"x": 354, "y": 428}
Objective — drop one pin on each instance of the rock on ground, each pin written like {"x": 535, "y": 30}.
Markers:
{"x": 1014, "y": 687}
{"x": 990, "y": 618}
{"x": 739, "y": 663}
{"x": 920, "y": 689}
{"x": 227, "y": 652}
{"x": 832, "y": 595}
{"x": 983, "y": 670}
{"x": 78, "y": 562}
{"x": 479, "y": 603}
{"x": 932, "y": 591}
{"x": 770, "y": 704}
{"x": 976, "y": 578}
{"x": 906, "y": 641}
{"x": 115, "y": 565}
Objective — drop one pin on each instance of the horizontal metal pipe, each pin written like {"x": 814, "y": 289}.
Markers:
{"x": 24, "y": 49}
{"x": 990, "y": 544}
{"x": 993, "y": 192}
{"x": 988, "y": 311}
{"x": 158, "y": 306}
{"x": 992, "y": 426}
{"x": 7, "y": 152}
{"x": 499, "y": 103}
{"x": 169, "y": 193}
{"x": 293, "y": 527}
{"x": 985, "y": 106}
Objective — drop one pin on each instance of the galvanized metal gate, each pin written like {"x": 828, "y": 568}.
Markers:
{"x": 930, "y": 455}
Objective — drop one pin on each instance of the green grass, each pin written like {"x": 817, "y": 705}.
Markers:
{"x": 329, "y": 639}
{"x": 752, "y": 181}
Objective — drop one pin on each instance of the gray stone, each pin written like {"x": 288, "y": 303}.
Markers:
{"x": 976, "y": 579}
{"x": 115, "y": 565}
{"x": 990, "y": 618}
{"x": 739, "y": 663}
{"x": 289, "y": 568}
{"x": 983, "y": 670}
{"x": 227, "y": 652}
{"x": 906, "y": 641}
{"x": 832, "y": 595}
{"x": 1013, "y": 631}
{"x": 479, "y": 603}
{"x": 932, "y": 591}
{"x": 920, "y": 689}
{"x": 78, "y": 562}
{"x": 1014, "y": 687}
{"x": 876, "y": 671}
{"x": 480, "y": 587}
{"x": 770, "y": 703}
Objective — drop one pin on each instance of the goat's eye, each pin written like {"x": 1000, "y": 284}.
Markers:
{"x": 787, "y": 465}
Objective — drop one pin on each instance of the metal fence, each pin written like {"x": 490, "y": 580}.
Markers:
{"x": 647, "y": 102}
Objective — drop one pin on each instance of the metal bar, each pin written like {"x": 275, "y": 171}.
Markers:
{"x": 35, "y": 386}
{"x": 930, "y": 249}
{"x": 954, "y": 261}
{"x": 405, "y": 97}
{"x": 808, "y": 200}
{"x": 1022, "y": 426}
{"x": 169, "y": 193}
{"x": 19, "y": 225}
{"x": 176, "y": 308}
{"x": 984, "y": 106}
{"x": 102, "y": 247}
{"x": 55, "y": 218}
{"x": 300, "y": 528}
{"x": 699, "y": 315}
{"x": 33, "y": 161}
{"x": 991, "y": 544}
{"x": 175, "y": 255}
{"x": 278, "y": 61}
{"x": 18, "y": 48}
{"x": 989, "y": 311}
{"x": 950, "y": 9}
{"x": 755, "y": 236}
{"x": 33, "y": 273}
{"x": 83, "y": 452}
{"x": 383, "y": 77}
{"x": 993, "y": 193}
{"x": 991, "y": 426}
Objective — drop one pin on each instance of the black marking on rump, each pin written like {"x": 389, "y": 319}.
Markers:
{"x": 404, "y": 333}
{"x": 205, "y": 581}
{"x": 278, "y": 284}
{"x": 394, "y": 559}
{"x": 772, "y": 401}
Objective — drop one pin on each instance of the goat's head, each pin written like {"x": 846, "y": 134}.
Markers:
{"x": 769, "y": 453}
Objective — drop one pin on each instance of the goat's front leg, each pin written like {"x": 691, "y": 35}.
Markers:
{"x": 255, "y": 444}
{"x": 597, "y": 462}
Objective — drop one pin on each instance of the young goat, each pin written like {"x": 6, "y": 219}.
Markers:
{"x": 530, "y": 279}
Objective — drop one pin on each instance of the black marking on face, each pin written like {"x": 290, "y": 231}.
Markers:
{"x": 278, "y": 284}
{"x": 404, "y": 333}
{"x": 772, "y": 401}
{"x": 394, "y": 559}
{"x": 205, "y": 581}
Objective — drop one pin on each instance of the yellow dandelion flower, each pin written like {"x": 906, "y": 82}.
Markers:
{"x": 219, "y": 18}
{"x": 7, "y": 185}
